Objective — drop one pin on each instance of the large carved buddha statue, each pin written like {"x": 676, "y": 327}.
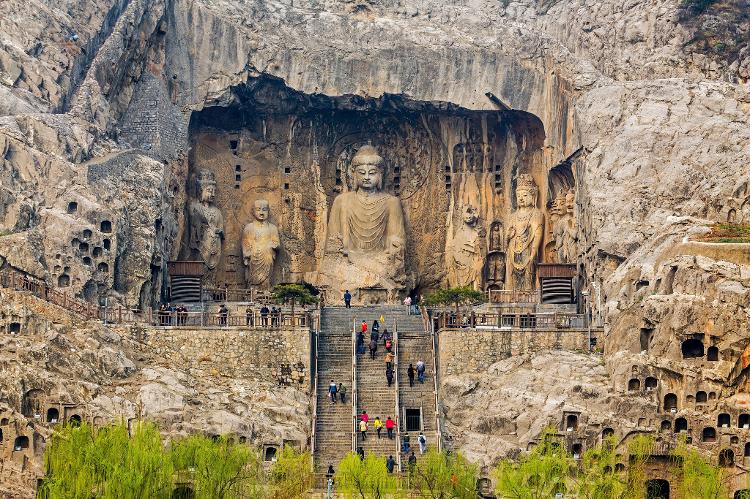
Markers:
{"x": 523, "y": 237}
{"x": 260, "y": 244}
{"x": 366, "y": 238}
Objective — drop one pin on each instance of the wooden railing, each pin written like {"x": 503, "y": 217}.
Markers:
{"x": 429, "y": 328}
{"x": 40, "y": 289}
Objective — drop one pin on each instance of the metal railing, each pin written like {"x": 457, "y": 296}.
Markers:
{"x": 253, "y": 320}
{"x": 236, "y": 295}
{"x": 354, "y": 384}
{"x": 433, "y": 337}
{"x": 40, "y": 289}
{"x": 397, "y": 414}
{"x": 314, "y": 400}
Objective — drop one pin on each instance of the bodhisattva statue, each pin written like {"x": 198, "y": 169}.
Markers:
{"x": 366, "y": 238}
{"x": 260, "y": 244}
{"x": 465, "y": 253}
{"x": 206, "y": 223}
{"x": 523, "y": 237}
{"x": 564, "y": 230}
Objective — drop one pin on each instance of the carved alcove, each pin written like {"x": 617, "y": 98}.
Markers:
{"x": 295, "y": 151}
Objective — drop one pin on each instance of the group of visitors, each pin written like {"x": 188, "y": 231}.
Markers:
{"x": 170, "y": 315}
{"x": 378, "y": 424}
{"x": 337, "y": 392}
{"x": 419, "y": 371}
{"x": 272, "y": 316}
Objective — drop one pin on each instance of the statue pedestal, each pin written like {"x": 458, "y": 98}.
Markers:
{"x": 357, "y": 273}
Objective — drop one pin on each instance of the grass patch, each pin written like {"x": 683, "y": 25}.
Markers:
{"x": 727, "y": 233}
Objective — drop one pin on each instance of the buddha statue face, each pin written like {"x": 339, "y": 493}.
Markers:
{"x": 570, "y": 201}
{"x": 261, "y": 210}
{"x": 470, "y": 216}
{"x": 367, "y": 167}
{"x": 208, "y": 193}
{"x": 525, "y": 198}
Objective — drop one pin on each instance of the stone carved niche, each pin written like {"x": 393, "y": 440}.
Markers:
{"x": 206, "y": 233}
{"x": 494, "y": 267}
{"x": 295, "y": 150}
{"x": 464, "y": 252}
{"x": 562, "y": 227}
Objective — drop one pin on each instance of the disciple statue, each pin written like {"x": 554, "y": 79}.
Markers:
{"x": 366, "y": 238}
{"x": 524, "y": 236}
{"x": 260, "y": 244}
{"x": 206, "y": 223}
{"x": 564, "y": 230}
{"x": 465, "y": 253}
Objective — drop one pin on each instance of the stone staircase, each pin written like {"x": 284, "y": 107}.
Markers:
{"x": 333, "y": 423}
{"x": 414, "y": 345}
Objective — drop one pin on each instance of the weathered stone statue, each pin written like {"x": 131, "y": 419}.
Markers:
{"x": 366, "y": 238}
{"x": 260, "y": 244}
{"x": 464, "y": 251}
{"x": 524, "y": 236}
{"x": 206, "y": 223}
{"x": 564, "y": 230}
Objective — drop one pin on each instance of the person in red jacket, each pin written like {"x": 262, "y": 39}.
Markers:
{"x": 364, "y": 327}
{"x": 389, "y": 426}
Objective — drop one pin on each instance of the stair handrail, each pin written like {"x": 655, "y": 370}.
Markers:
{"x": 354, "y": 384}
{"x": 434, "y": 338}
{"x": 314, "y": 399}
{"x": 398, "y": 401}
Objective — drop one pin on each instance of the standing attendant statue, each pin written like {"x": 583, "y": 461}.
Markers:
{"x": 260, "y": 245}
{"x": 524, "y": 237}
{"x": 206, "y": 223}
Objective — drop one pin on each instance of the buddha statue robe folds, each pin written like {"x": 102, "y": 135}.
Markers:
{"x": 366, "y": 238}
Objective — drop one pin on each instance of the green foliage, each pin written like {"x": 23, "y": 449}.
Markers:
{"x": 455, "y": 296}
{"x": 365, "y": 479}
{"x": 291, "y": 474}
{"x": 82, "y": 462}
{"x": 439, "y": 474}
{"x": 218, "y": 468}
{"x": 541, "y": 473}
{"x": 696, "y": 477}
{"x": 598, "y": 476}
{"x": 293, "y": 293}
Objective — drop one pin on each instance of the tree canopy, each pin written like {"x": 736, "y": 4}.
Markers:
{"x": 455, "y": 296}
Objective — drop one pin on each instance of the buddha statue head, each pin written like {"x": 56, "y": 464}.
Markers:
{"x": 526, "y": 191}
{"x": 261, "y": 210}
{"x": 206, "y": 184}
{"x": 367, "y": 169}
{"x": 570, "y": 201}
{"x": 470, "y": 216}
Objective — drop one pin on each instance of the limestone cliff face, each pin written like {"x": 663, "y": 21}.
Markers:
{"x": 100, "y": 104}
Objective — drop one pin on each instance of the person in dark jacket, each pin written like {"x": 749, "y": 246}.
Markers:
{"x": 411, "y": 372}
{"x": 390, "y": 463}
{"x": 373, "y": 348}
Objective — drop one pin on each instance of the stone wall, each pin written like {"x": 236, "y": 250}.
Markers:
{"x": 280, "y": 356}
{"x": 473, "y": 350}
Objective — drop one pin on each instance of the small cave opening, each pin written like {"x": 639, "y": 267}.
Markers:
{"x": 709, "y": 434}
{"x": 72, "y": 207}
{"x": 83, "y": 247}
{"x": 666, "y": 425}
{"x": 670, "y": 402}
{"x": 724, "y": 420}
{"x": 14, "y": 328}
{"x": 657, "y": 489}
{"x": 651, "y": 383}
{"x": 712, "y": 354}
{"x": 571, "y": 422}
{"x": 103, "y": 267}
{"x": 269, "y": 453}
{"x": 726, "y": 458}
{"x": 21, "y": 443}
{"x": 105, "y": 226}
{"x": 63, "y": 281}
{"x": 701, "y": 397}
{"x": 107, "y": 244}
{"x": 53, "y": 415}
{"x": 634, "y": 385}
{"x": 746, "y": 453}
{"x": 744, "y": 421}
{"x": 96, "y": 252}
{"x": 87, "y": 233}
{"x": 435, "y": 154}
{"x": 75, "y": 420}
{"x": 31, "y": 403}
{"x": 692, "y": 348}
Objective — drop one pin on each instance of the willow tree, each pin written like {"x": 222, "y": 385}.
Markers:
{"x": 82, "y": 462}
{"x": 696, "y": 477}
{"x": 540, "y": 473}
{"x": 439, "y": 475}
{"x": 291, "y": 475}
{"x": 366, "y": 478}
{"x": 218, "y": 468}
